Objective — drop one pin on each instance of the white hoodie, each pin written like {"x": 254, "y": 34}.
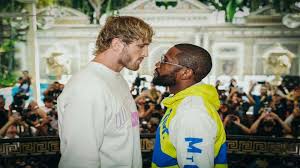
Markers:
{"x": 98, "y": 121}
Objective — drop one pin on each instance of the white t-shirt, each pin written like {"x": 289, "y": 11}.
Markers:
{"x": 98, "y": 121}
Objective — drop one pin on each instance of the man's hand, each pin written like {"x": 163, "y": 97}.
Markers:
{"x": 296, "y": 112}
{"x": 275, "y": 116}
{"x": 237, "y": 121}
{"x": 13, "y": 119}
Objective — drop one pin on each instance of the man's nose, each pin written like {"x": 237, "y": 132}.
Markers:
{"x": 145, "y": 51}
{"x": 157, "y": 64}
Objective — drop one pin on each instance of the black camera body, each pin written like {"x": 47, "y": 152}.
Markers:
{"x": 138, "y": 80}
{"x": 148, "y": 102}
{"x": 261, "y": 82}
{"x": 53, "y": 113}
{"x": 18, "y": 102}
{"x": 232, "y": 118}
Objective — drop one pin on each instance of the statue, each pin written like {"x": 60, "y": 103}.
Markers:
{"x": 58, "y": 64}
{"x": 278, "y": 60}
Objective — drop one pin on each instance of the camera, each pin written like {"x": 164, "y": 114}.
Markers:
{"x": 241, "y": 91}
{"x": 268, "y": 109}
{"x": 138, "y": 80}
{"x": 261, "y": 82}
{"x": 53, "y": 113}
{"x": 233, "y": 118}
{"x": 148, "y": 102}
{"x": 32, "y": 117}
{"x": 144, "y": 125}
{"x": 18, "y": 102}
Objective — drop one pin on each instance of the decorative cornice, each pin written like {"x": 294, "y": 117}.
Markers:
{"x": 176, "y": 32}
{"x": 57, "y": 15}
{"x": 150, "y": 5}
{"x": 187, "y": 13}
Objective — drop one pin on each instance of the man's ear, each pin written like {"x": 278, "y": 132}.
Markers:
{"x": 186, "y": 74}
{"x": 117, "y": 44}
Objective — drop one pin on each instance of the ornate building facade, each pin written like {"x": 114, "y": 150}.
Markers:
{"x": 237, "y": 49}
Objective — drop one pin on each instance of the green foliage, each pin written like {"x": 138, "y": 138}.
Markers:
{"x": 230, "y": 10}
{"x": 166, "y": 3}
{"x": 45, "y": 3}
{"x": 232, "y": 6}
{"x": 114, "y": 5}
{"x": 254, "y": 5}
{"x": 8, "y": 79}
{"x": 82, "y": 5}
{"x": 229, "y": 6}
{"x": 7, "y": 45}
{"x": 10, "y": 6}
{"x": 283, "y": 6}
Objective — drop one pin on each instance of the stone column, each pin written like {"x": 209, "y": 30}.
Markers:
{"x": 33, "y": 56}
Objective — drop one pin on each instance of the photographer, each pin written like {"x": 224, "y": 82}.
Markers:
{"x": 223, "y": 111}
{"x": 279, "y": 105}
{"x": 261, "y": 99}
{"x": 135, "y": 88}
{"x": 239, "y": 101}
{"x": 294, "y": 95}
{"x": 5, "y": 130}
{"x": 48, "y": 105}
{"x": 233, "y": 125}
{"x": 3, "y": 112}
{"x": 18, "y": 103}
{"x": 37, "y": 119}
{"x": 269, "y": 124}
{"x": 145, "y": 105}
{"x": 50, "y": 109}
{"x": 53, "y": 91}
{"x": 14, "y": 126}
{"x": 293, "y": 120}
{"x": 155, "y": 94}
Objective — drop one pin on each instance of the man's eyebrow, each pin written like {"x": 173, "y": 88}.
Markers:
{"x": 165, "y": 57}
{"x": 145, "y": 43}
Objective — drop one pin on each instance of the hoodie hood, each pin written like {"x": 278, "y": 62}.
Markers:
{"x": 207, "y": 92}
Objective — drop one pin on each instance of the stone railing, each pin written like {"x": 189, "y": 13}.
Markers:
{"x": 249, "y": 146}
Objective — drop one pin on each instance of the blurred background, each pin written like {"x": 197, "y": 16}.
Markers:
{"x": 255, "y": 47}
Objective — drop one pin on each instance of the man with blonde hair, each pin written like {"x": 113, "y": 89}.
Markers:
{"x": 98, "y": 119}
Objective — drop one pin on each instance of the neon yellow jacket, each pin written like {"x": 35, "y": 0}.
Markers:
{"x": 191, "y": 133}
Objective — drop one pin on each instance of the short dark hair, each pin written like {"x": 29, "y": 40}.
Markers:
{"x": 48, "y": 99}
{"x": 196, "y": 58}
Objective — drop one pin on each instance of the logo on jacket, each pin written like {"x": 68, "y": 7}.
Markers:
{"x": 165, "y": 130}
{"x": 192, "y": 149}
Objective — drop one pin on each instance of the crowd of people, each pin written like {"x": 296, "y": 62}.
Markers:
{"x": 24, "y": 117}
{"x": 274, "y": 112}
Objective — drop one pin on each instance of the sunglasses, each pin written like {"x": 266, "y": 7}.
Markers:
{"x": 163, "y": 61}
